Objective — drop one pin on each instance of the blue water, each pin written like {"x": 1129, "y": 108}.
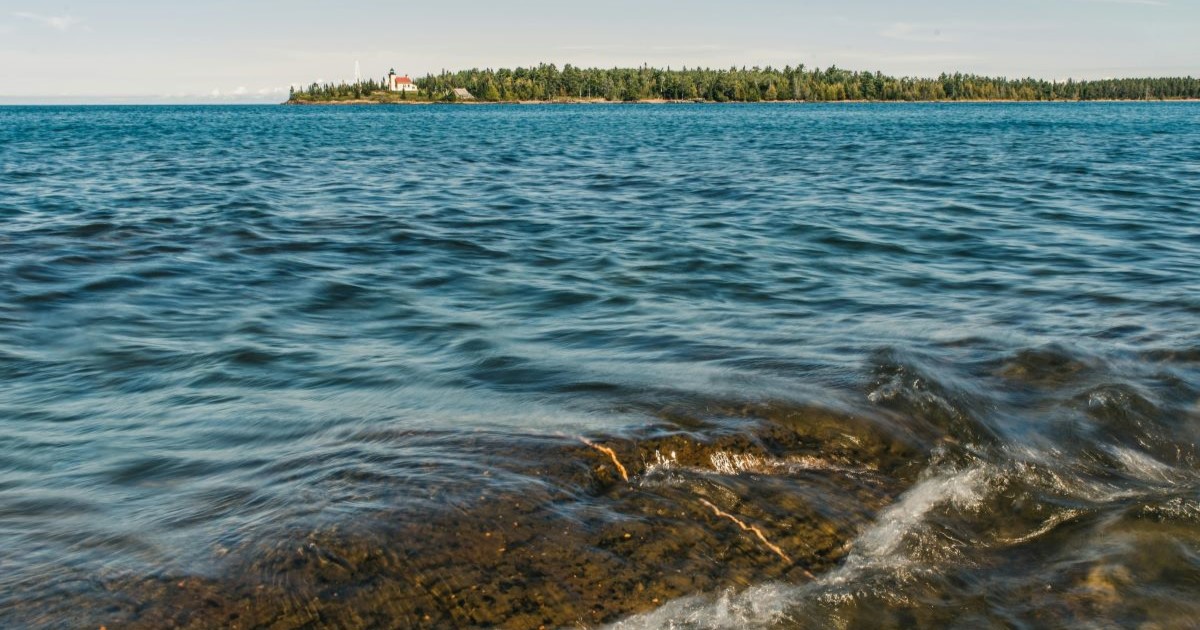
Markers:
{"x": 226, "y": 326}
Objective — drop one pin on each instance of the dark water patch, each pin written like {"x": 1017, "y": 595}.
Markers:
{"x": 334, "y": 295}
{"x": 512, "y": 372}
{"x": 155, "y": 470}
{"x": 252, "y": 357}
{"x": 201, "y": 400}
{"x": 159, "y": 272}
{"x": 1117, "y": 332}
{"x": 112, "y": 283}
{"x": 1180, "y": 355}
{"x": 92, "y": 229}
{"x": 28, "y": 508}
{"x": 560, "y": 299}
{"x": 46, "y": 298}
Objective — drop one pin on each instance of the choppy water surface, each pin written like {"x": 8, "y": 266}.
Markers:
{"x": 700, "y": 366}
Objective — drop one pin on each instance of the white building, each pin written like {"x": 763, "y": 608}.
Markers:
{"x": 400, "y": 84}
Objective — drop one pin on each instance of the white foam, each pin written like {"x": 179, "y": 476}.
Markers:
{"x": 904, "y": 545}
{"x": 1143, "y": 466}
{"x": 962, "y": 489}
{"x": 727, "y": 463}
{"x": 753, "y": 607}
{"x": 661, "y": 463}
{"x": 879, "y": 549}
{"x": 1178, "y": 507}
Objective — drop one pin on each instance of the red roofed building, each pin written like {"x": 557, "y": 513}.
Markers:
{"x": 400, "y": 84}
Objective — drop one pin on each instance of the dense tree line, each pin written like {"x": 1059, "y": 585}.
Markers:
{"x": 792, "y": 83}
{"x": 318, "y": 92}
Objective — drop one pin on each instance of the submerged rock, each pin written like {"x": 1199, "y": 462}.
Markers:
{"x": 569, "y": 531}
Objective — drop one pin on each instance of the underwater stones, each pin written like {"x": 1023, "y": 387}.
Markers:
{"x": 578, "y": 531}
{"x": 1103, "y": 583}
{"x": 1051, "y": 366}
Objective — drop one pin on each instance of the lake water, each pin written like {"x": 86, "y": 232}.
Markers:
{"x": 864, "y": 365}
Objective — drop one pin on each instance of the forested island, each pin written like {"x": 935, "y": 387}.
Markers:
{"x": 549, "y": 83}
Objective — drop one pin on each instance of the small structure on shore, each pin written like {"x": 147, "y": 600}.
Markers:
{"x": 400, "y": 84}
{"x": 463, "y": 95}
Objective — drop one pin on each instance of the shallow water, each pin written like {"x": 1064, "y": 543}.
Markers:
{"x": 692, "y": 366}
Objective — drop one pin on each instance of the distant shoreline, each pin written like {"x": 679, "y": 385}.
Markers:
{"x": 547, "y": 83}
{"x": 704, "y": 102}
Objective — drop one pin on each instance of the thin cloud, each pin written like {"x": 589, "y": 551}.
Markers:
{"x": 57, "y": 22}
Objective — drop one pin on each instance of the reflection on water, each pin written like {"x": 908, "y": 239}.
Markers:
{"x": 700, "y": 366}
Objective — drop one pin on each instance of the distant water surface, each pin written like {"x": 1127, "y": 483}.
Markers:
{"x": 873, "y": 365}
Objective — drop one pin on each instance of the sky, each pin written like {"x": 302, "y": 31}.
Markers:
{"x": 147, "y": 51}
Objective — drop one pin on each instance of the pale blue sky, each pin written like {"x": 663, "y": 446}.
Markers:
{"x": 219, "y": 50}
